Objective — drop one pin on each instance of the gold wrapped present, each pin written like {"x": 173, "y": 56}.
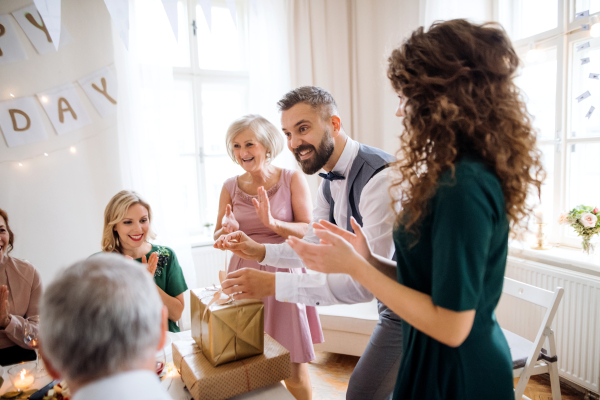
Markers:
{"x": 206, "y": 382}
{"x": 225, "y": 329}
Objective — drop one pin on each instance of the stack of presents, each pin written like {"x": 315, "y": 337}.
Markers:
{"x": 230, "y": 353}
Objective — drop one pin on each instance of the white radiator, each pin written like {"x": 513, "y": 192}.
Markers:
{"x": 208, "y": 261}
{"x": 577, "y": 323}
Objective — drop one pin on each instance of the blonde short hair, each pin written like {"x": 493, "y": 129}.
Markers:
{"x": 265, "y": 132}
{"x": 115, "y": 212}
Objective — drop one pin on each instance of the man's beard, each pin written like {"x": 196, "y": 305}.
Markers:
{"x": 320, "y": 157}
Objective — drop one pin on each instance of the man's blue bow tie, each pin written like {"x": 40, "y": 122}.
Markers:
{"x": 332, "y": 176}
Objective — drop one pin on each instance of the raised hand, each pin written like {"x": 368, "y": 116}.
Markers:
{"x": 263, "y": 208}
{"x": 333, "y": 256}
{"x": 241, "y": 245}
{"x": 357, "y": 239}
{"x": 151, "y": 263}
{"x": 4, "y": 320}
{"x": 229, "y": 223}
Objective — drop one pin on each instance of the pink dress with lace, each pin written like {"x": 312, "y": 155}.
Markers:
{"x": 295, "y": 326}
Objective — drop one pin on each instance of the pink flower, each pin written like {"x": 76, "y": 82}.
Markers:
{"x": 562, "y": 219}
{"x": 595, "y": 210}
{"x": 588, "y": 220}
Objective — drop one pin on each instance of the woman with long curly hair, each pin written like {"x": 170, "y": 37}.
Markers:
{"x": 468, "y": 160}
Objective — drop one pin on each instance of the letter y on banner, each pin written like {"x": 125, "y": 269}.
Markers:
{"x": 101, "y": 87}
{"x": 36, "y": 30}
{"x": 21, "y": 122}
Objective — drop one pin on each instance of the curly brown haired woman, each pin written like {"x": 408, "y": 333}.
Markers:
{"x": 467, "y": 161}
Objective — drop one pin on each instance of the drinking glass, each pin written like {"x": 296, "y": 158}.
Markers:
{"x": 32, "y": 339}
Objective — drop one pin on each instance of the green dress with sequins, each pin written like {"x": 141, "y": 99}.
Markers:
{"x": 168, "y": 275}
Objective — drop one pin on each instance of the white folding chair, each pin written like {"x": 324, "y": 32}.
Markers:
{"x": 529, "y": 358}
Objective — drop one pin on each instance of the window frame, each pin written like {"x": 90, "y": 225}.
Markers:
{"x": 563, "y": 38}
{"x": 198, "y": 77}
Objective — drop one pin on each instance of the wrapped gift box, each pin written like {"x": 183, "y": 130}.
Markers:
{"x": 226, "y": 330}
{"x": 206, "y": 382}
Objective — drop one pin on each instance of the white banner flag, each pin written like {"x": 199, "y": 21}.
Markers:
{"x": 206, "y": 10}
{"x": 119, "y": 12}
{"x": 10, "y": 47}
{"x": 170, "y": 7}
{"x": 64, "y": 108}
{"x": 50, "y": 12}
{"x": 21, "y": 122}
{"x": 36, "y": 30}
{"x": 101, "y": 87}
{"x": 231, "y": 6}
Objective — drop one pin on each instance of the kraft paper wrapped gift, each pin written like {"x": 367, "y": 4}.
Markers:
{"x": 206, "y": 382}
{"x": 226, "y": 330}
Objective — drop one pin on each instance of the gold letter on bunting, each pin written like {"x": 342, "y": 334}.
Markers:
{"x": 21, "y": 122}
{"x": 64, "y": 108}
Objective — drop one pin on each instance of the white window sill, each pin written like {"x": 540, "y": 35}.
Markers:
{"x": 201, "y": 241}
{"x": 559, "y": 256}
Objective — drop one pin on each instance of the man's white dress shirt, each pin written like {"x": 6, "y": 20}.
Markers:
{"x": 138, "y": 384}
{"x": 378, "y": 221}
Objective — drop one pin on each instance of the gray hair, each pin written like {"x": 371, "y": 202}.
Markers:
{"x": 100, "y": 316}
{"x": 266, "y": 133}
{"x": 318, "y": 98}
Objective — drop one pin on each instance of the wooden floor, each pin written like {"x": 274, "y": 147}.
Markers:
{"x": 329, "y": 374}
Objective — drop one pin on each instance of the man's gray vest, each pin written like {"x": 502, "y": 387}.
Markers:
{"x": 368, "y": 162}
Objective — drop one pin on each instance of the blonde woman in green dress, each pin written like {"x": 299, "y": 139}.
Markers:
{"x": 127, "y": 229}
{"x": 467, "y": 161}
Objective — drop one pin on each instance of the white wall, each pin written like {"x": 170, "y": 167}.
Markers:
{"x": 56, "y": 203}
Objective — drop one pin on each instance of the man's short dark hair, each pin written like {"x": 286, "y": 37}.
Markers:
{"x": 318, "y": 98}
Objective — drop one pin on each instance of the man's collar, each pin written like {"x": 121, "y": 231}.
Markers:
{"x": 345, "y": 158}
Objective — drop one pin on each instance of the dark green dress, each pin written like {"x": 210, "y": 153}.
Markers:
{"x": 168, "y": 275}
{"x": 459, "y": 260}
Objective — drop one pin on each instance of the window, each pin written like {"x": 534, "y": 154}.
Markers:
{"x": 211, "y": 79}
{"x": 552, "y": 77}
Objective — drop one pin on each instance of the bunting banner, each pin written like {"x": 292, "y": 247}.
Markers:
{"x": 32, "y": 24}
{"x": 10, "y": 47}
{"x": 50, "y": 13}
{"x": 64, "y": 108}
{"x": 101, "y": 87}
{"x": 119, "y": 12}
{"x": 21, "y": 122}
{"x": 232, "y": 11}
{"x": 206, "y": 6}
{"x": 170, "y": 7}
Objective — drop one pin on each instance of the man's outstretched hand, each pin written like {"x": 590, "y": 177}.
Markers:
{"x": 249, "y": 283}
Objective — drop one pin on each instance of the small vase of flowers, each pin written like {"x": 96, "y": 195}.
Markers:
{"x": 584, "y": 220}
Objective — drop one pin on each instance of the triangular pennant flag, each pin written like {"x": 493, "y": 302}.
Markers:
{"x": 254, "y": 5}
{"x": 50, "y": 12}
{"x": 119, "y": 12}
{"x": 206, "y": 6}
{"x": 171, "y": 10}
{"x": 231, "y": 6}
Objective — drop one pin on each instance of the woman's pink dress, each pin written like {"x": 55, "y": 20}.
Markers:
{"x": 295, "y": 326}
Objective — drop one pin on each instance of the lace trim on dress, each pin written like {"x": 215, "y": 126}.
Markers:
{"x": 248, "y": 197}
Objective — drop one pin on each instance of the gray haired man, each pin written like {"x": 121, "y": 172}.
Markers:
{"x": 102, "y": 322}
{"x": 355, "y": 186}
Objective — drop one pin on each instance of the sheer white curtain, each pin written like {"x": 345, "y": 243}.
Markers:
{"x": 148, "y": 154}
{"x": 473, "y": 10}
{"x": 269, "y": 63}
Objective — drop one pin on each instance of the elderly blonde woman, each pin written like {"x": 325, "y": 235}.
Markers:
{"x": 127, "y": 228}
{"x": 270, "y": 204}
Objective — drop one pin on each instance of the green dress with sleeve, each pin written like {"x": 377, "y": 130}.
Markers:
{"x": 168, "y": 275}
{"x": 459, "y": 260}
